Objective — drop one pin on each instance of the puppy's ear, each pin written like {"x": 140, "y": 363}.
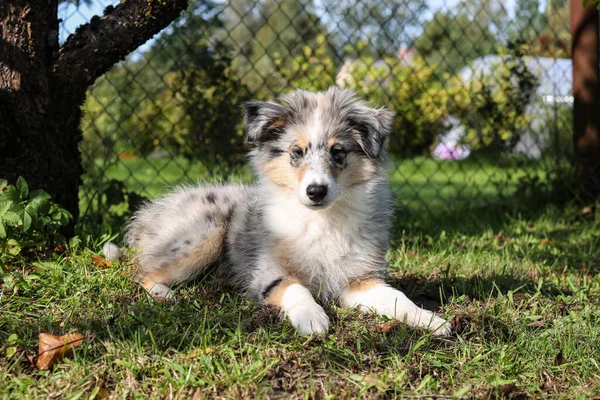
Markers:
{"x": 372, "y": 126}
{"x": 265, "y": 120}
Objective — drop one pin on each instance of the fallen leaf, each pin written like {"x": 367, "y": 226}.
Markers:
{"x": 101, "y": 262}
{"x": 53, "y": 348}
{"x": 387, "y": 326}
{"x": 197, "y": 353}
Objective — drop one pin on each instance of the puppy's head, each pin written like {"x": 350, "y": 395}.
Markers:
{"x": 317, "y": 144}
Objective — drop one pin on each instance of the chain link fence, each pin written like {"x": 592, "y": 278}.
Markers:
{"x": 481, "y": 90}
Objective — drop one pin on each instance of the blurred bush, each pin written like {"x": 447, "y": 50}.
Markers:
{"x": 190, "y": 105}
{"x": 493, "y": 106}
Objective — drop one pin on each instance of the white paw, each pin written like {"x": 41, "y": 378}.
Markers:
{"x": 161, "y": 292}
{"x": 436, "y": 325}
{"x": 440, "y": 327}
{"x": 309, "y": 319}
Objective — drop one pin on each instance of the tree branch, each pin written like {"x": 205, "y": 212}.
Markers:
{"x": 96, "y": 46}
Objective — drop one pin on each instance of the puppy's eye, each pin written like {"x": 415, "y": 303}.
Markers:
{"x": 297, "y": 152}
{"x": 338, "y": 153}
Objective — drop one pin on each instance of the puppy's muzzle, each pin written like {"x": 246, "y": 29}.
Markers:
{"x": 316, "y": 193}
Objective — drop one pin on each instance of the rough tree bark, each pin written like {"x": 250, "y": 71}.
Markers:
{"x": 586, "y": 93}
{"x": 43, "y": 84}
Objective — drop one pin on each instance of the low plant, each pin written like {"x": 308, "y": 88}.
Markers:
{"x": 29, "y": 221}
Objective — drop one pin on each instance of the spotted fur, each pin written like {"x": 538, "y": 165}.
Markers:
{"x": 315, "y": 225}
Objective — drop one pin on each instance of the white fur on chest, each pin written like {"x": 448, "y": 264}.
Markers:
{"x": 329, "y": 245}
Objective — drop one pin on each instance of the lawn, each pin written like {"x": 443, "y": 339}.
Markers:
{"x": 422, "y": 185}
{"x": 521, "y": 288}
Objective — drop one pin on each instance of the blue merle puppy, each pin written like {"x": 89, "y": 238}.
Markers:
{"x": 314, "y": 227}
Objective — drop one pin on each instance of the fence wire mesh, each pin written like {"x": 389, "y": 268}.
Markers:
{"x": 481, "y": 90}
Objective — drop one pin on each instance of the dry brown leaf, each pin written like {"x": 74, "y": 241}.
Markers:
{"x": 101, "y": 262}
{"x": 387, "y": 326}
{"x": 54, "y": 348}
{"x": 197, "y": 353}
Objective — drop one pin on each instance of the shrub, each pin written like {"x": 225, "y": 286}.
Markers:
{"x": 414, "y": 92}
{"x": 313, "y": 70}
{"x": 493, "y": 107}
{"x": 29, "y": 221}
{"x": 190, "y": 110}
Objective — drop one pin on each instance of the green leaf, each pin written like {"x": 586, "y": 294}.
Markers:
{"x": 12, "y": 218}
{"x": 10, "y": 194}
{"x": 14, "y": 247}
{"x": 75, "y": 243}
{"x": 32, "y": 211}
{"x": 22, "y": 187}
{"x": 38, "y": 204}
{"x": 3, "y": 183}
{"x": 27, "y": 219}
{"x": 4, "y": 207}
{"x": 2, "y": 231}
{"x": 38, "y": 197}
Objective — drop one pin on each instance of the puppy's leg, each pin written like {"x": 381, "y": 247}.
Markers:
{"x": 375, "y": 295}
{"x": 183, "y": 261}
{"x": 298, "y": 304}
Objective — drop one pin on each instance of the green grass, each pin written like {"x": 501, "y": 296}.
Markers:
{"x": 419, "y": 181}
{"x": 522, "y": 291}
{"x": 422, "y": 185}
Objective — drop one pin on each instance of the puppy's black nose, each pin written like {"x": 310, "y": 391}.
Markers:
{"x": 316, "y": 192}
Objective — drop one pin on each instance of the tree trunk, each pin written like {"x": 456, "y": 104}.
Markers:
{"x": 586, "y": 93}
{"x": 43, "y": 85}
{"x": 39, "y": 129}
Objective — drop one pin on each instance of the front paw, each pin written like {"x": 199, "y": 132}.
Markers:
{"x": 309, "y": 319}
{"x": 439, "y": 326}
{"x": 435, "y": 325}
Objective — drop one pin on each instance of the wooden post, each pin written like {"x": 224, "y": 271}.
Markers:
{"x": 586, "y": 92}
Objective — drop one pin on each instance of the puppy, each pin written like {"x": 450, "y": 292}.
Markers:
{"x": 315, "y": 226}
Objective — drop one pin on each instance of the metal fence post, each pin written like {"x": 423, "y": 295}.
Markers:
{"x": 586, "y": 92}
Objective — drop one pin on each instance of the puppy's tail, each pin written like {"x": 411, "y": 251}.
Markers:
{"x": 111, "y": 251}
